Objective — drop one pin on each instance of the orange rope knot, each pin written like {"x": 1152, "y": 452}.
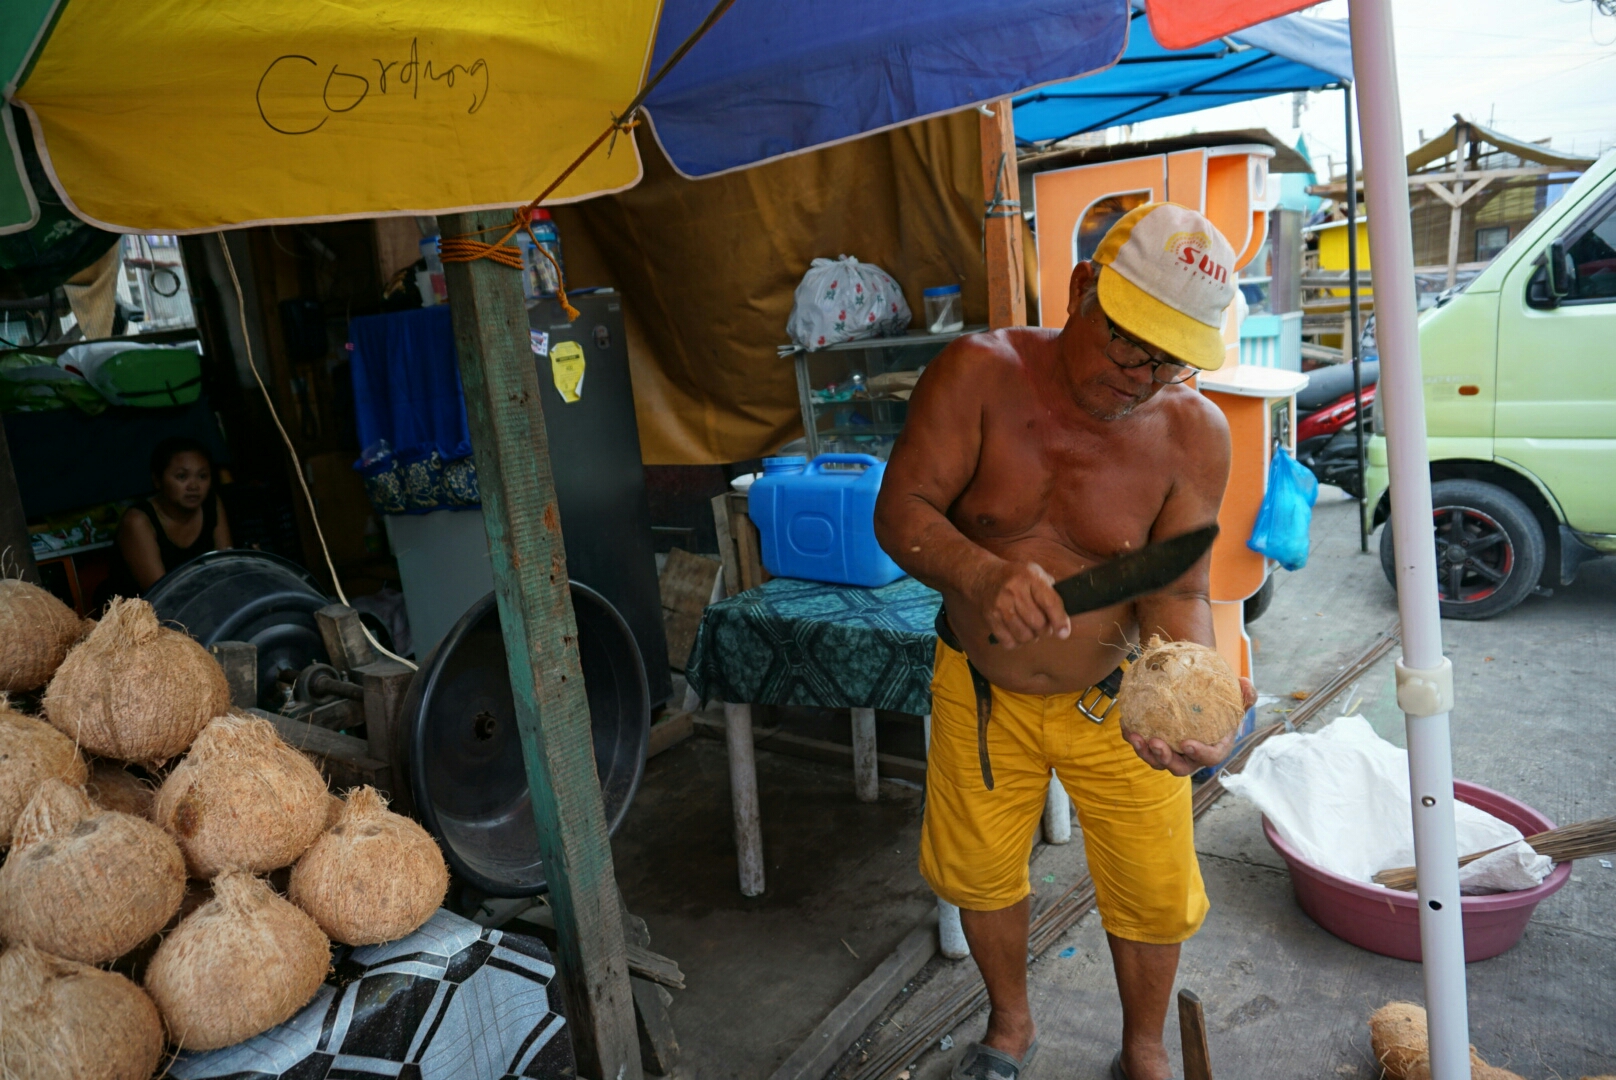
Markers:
{"x": 464, "y": 248}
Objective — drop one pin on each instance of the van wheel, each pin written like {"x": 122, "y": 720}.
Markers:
{"x": 1489, "y": 549}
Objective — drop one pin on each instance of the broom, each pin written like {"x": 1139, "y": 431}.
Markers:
{"x": 1581, "y": 841}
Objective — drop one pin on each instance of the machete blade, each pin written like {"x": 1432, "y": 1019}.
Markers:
{"x": 1152, "y": 567}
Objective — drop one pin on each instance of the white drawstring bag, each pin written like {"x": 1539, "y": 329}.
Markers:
{"x": 845, "y": 300}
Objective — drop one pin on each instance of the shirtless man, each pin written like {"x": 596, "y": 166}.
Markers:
{"x": 1030, "y": 455}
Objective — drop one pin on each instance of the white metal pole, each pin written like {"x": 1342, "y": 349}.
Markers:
{"x": 1424, "y": 676}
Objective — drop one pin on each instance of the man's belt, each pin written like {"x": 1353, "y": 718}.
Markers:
{"x": 1094, "y": 703}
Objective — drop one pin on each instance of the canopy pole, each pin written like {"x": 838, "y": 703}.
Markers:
{"x": 1400, "y": 395}
{"x": 525, "y": 548}
{"x": 1001, "y": 217}
{"x": 1354, "y": 321}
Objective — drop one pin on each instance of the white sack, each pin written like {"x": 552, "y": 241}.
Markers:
{"x": 843, "y": 299}
{"x": 1340, "y": 798}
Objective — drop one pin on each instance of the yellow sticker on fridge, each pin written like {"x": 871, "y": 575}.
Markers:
{"x": 567, "y": 367}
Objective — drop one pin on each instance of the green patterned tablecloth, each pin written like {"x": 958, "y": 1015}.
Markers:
{"x": 791, "y": 642}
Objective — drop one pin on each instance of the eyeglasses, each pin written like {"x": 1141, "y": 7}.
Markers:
{"x": 1127, "y": 353}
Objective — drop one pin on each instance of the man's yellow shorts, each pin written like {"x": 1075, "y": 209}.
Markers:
{"x": 1138, "y": 830}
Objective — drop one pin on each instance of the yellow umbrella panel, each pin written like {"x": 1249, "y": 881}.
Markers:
{"x": 176, "y": 116}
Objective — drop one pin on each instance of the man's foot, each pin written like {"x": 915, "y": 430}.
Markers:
{"x": 1144, "y": 1067}
{"x": 1010, "y": 1037}
{"x": 981, "y": 1062}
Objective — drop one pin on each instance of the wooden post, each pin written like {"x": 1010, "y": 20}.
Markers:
{"x": 1001, "y": 194}
{"x": 512, "y": 454}
{"x": 239, "y": 659}
{"x": 385, "y": 683}
{"x": 344, "y": 637}
{"x": 1192, "y": 1037}
{"x": 16, "y": 550}
{"x": 1461, "y": 140}
{"x": 866, "y": 766}
{"x": 744, "y": 797}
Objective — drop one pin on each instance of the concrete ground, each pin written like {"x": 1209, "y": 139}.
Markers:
{"x": 1283, "y": 998}
{"x": 761, "y": 973}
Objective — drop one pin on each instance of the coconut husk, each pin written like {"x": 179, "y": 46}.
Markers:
{"x": 36, "y": 632}
{"x": 113, "y": 787}
{"x": 333, "y": 809}
{"x": 31, "y": 751}
{"x": 242, "y": 799}
{"x": 1479, "y": 1069}
{"x": 135, "y": 690}
{"x": 374, "y": 876}
{"x": 1178, "y": 690}
{"x": 84, "y": 883}
{"x": 65, "y": 1021}
{"x": 134, "y": 962}
{"x": 240, "y": 964}
{"x": 1398, "y": 1036}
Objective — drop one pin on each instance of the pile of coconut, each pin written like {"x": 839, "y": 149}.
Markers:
{"x": 138, "y": 816}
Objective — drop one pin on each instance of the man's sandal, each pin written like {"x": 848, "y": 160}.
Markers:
{"x": 985, "y": 1063}
{"x": 1116, "y": 1068}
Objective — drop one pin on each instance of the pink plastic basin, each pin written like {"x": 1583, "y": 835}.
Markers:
{"x": 1387, "y": 921}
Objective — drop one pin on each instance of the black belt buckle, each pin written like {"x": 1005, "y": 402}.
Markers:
{"x": 1097, "y": 701}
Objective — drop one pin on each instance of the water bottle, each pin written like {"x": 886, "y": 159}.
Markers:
{"x": 540, "y": 277}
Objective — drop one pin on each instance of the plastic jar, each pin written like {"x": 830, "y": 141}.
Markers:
{"x": 945, "y": 312}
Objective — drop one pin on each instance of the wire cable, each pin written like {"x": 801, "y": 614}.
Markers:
{"x": 297, "y": 465}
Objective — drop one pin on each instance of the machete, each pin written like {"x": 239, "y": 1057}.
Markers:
{"x": 1126, "y": 577}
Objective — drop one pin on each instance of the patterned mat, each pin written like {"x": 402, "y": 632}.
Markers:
{"x": 452, "y": 1001}
{"x": 791, "y": 642}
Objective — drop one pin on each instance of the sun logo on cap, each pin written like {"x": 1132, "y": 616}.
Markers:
{"x": 1192, "y": 249}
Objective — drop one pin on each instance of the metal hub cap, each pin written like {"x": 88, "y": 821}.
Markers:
{"x": 1474, "y": 554}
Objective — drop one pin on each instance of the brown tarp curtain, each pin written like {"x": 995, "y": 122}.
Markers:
{"x": 707, "y": 269}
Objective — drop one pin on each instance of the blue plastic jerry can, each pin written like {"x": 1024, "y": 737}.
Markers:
{"x": 816, "y": 520}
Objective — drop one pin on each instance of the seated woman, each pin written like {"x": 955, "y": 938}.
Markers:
{"x": 182, "y": 519}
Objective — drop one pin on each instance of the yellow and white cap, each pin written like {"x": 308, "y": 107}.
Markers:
{"x": 1168, "y": 280}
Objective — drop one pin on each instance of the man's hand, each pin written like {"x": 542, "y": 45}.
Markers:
{"x": 1019, "y": 603}
{"x": 1192, "y": 755}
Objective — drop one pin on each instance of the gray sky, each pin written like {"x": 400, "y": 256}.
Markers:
{"x": 1538, "y": 68}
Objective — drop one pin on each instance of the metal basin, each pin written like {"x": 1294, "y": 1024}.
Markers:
{"x": 466, "y": 769}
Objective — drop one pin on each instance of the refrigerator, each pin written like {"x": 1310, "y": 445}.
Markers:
{"x": 600, "y": 492}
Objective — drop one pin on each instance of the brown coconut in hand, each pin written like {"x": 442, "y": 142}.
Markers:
{"x": 65, "y": 1021}
{"x": 111, "y": 786}
{"x": 36, "y": 632}
{"x": 375, "y": 876}
{"x": 31, "y": 751}
{"x": 85, "y": 883}
{"x": 135, "y": 690}
{"x": 242, "y": 799}
{"x": 1178, "y": 690}
{"x": 240, "y": 964}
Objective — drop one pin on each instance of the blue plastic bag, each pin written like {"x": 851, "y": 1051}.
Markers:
{"x": 1281, "y": 532}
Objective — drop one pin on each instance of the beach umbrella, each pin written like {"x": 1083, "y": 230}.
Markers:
{"x": 1424, "y": 675}
{"x": 183, "y": 116}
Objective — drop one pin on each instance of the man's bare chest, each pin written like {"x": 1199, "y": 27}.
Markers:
{"x": 1096, "y": 493}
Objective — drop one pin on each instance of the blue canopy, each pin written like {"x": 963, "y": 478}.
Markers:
{"x": 772, "y": 79}
{"x": 1293, "y": 52}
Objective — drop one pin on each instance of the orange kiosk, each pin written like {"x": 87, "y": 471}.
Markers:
{"x": 1229, "y": 184}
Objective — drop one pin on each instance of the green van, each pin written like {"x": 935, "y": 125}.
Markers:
{"x": 1520, "y": 409}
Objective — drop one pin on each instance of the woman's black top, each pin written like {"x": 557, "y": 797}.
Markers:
{"x": 172, "y": 554}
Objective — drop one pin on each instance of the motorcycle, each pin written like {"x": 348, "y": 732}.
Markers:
{"x": 1327, "y": 424}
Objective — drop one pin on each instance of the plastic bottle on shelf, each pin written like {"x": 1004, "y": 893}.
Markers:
{"x": 540, "y": 277}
